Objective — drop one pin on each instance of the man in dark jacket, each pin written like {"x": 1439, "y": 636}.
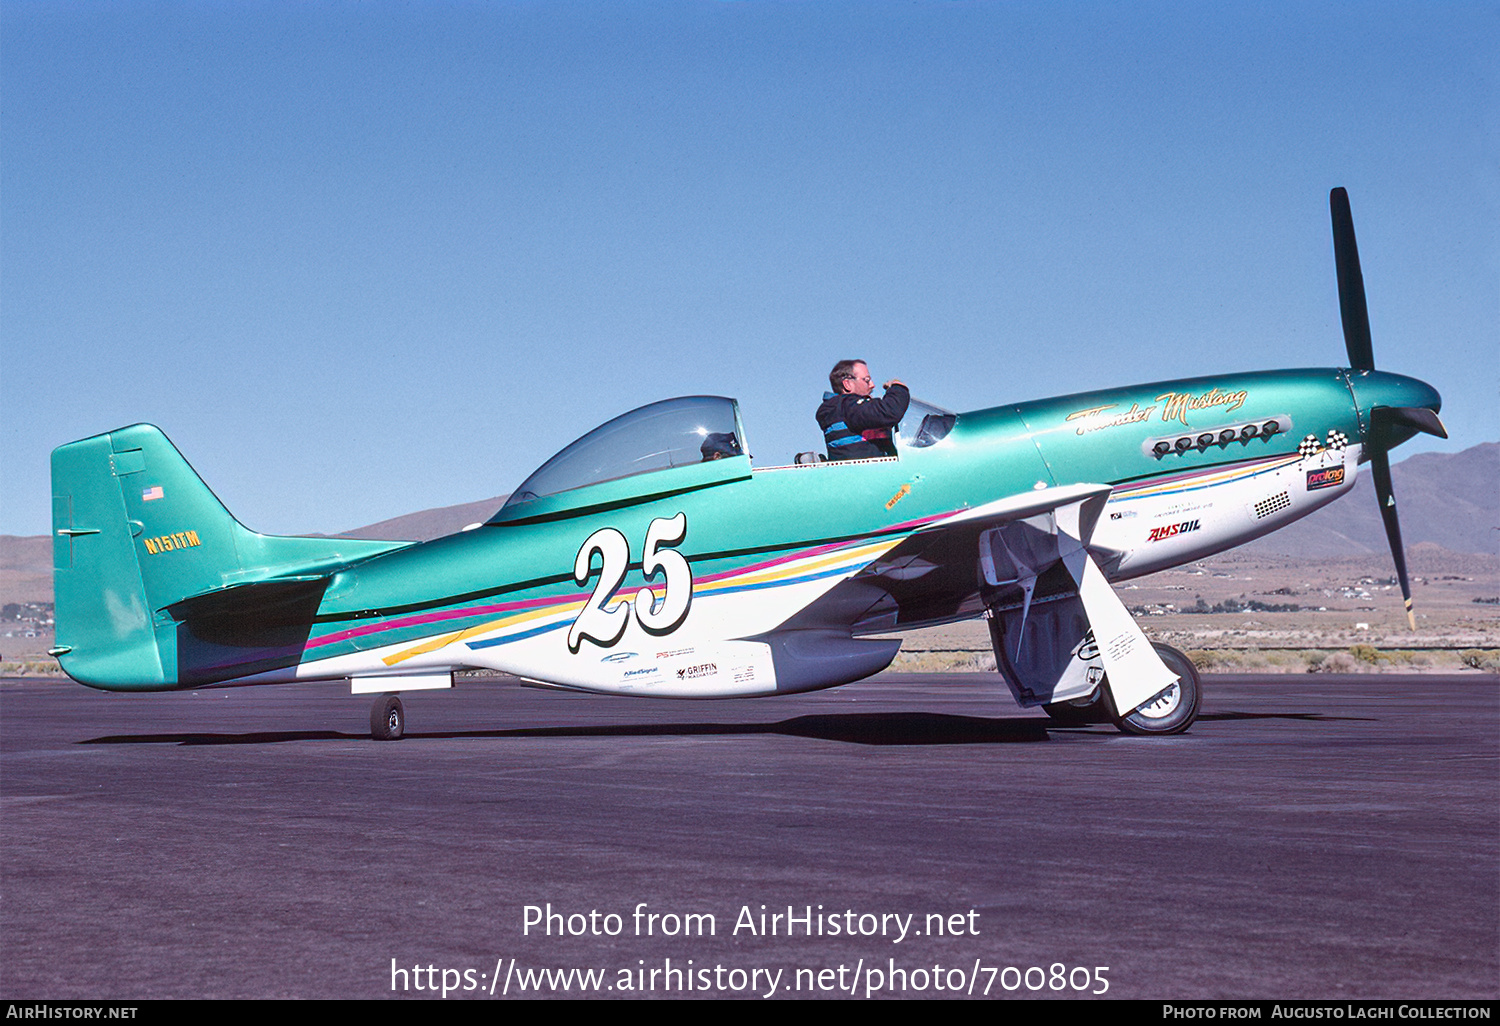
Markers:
{"x": 857, "y": 426}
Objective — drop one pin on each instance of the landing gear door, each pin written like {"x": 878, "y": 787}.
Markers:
{"x": 1047, "y": 655}
{"x": 1043, "y": 646}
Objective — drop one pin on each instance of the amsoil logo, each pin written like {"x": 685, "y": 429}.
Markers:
{"x": 1328, "y": 477}
{"x": 1172, "y": 530}
{"x": 701, "y": 670}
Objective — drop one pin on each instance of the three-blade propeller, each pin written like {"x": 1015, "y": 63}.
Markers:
{"x": 1385, "y": 421}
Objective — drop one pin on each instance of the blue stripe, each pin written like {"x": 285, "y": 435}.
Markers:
{"x": 491, "y": 642}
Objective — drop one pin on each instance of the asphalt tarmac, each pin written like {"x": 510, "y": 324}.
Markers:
{"x": 1311, "y": 837}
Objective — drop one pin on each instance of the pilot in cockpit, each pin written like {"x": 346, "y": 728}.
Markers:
{"x": 718, "y": 445}
{"x": 856, "y": 425}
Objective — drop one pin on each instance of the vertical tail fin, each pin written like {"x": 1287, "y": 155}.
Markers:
{"x": 136, "y": 530}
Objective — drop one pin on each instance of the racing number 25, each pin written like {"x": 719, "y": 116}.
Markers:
{"x": 603, "y": 624}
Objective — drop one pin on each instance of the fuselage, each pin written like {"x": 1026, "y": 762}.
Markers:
{"x": 556, "y": 589}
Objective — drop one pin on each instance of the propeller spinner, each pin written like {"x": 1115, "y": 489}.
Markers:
{"x": 1389, "y": 424}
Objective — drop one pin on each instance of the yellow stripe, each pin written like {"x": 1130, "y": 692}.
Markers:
{"x": 433, "y": 644}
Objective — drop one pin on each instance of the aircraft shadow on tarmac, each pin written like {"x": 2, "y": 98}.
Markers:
{"x": 903, "y": 728}
{"x": 884, "y": 728}
{"x": 1309, "y": 717}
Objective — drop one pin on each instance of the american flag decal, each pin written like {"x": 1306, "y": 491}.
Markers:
{"x": 154, "y": 492}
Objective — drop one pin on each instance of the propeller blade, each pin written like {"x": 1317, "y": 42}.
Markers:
{"x": 1380, "y": 463}
{"x": 1352, "y": 309}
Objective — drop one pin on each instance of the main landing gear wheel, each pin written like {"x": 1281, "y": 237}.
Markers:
{"x": 1175, "y": 709}
{"x": 387, "y": 719}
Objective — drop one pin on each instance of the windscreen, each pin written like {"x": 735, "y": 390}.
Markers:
{"x": 923, "y": 425}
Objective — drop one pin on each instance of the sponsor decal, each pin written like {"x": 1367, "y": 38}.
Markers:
{"x": 1122, "y": 514}
{"x": 1328, "y": 477}
{"x": 168, "y": 542}
{"x": 618, "y": 657}
{"x": 1172, "y": 530}
{"x": 670, "y": 653}
{"x": 701, "y": 670}
{"x": 644, "y": 671}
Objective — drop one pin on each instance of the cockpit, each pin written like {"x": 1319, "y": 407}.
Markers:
{"x": 699, "y": 438}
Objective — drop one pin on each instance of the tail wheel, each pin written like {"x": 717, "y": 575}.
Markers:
{"x": 387, "y": 719}
{"x": 1175, "y": 709}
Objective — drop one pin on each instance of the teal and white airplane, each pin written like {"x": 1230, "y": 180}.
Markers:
{"x": 651, "y": 558}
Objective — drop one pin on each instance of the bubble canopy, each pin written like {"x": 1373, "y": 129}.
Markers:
{"x": 700, "y": 431}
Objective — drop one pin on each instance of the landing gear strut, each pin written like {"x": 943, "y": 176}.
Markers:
{"x": 387, "y": 719}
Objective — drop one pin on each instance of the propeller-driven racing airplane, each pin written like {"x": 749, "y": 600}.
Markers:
{"x": 650, "y": 558}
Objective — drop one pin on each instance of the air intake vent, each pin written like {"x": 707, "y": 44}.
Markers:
{"x": 1275, "y": 504}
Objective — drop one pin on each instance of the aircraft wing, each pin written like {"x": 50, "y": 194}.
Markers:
{"x": 1026, "y": 560}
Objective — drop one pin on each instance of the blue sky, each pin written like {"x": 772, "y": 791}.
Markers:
{"x": 362, "y": 259}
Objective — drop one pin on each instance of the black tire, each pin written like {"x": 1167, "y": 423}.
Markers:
{"x": 1175, "y": 709}
{"x": 1079, "y": 712}
{"x": 387, "y": 719}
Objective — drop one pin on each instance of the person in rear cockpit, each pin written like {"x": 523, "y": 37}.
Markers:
{"x": 856, "y": 425}
{"x": 719, "y": 445}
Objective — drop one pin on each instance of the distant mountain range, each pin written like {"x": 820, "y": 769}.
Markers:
{"x": 1447, "y": 499}
{"x": 430, "y": 523}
